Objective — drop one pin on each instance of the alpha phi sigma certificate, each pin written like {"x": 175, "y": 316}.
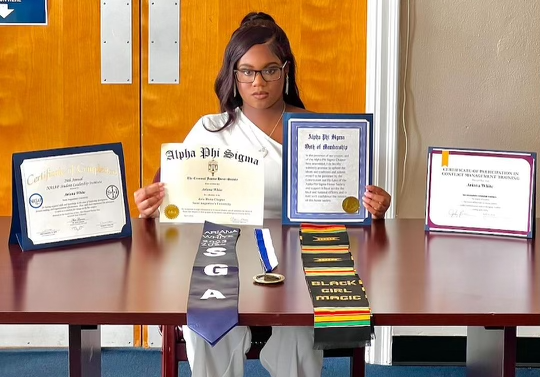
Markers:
{"x": 73, "y": 196}
{"x": 327, "y": 164}
{"x": 212, "y": 183}
{"x": 478, "y": 191}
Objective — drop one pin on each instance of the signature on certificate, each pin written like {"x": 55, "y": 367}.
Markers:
{"x": 459, "y": 213}
{"x": 48, "y": 232}
{"x": 78, "y": 223}
{"x": 106, "y": 224}
{"x": 239, "y": 220}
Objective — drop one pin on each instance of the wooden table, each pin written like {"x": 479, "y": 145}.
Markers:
{"x": 489, "y": 284}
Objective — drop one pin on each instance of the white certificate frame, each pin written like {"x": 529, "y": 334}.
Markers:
{"x": 444, "y": 156}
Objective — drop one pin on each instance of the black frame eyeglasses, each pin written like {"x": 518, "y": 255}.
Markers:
{"x": 247, "y": 76}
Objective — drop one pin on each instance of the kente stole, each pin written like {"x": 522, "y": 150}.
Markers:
{"x": 342, "y": 316}
{"x": 212, "y": 309}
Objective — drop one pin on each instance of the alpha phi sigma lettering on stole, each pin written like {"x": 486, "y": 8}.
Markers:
{"x": 212, "y": 309}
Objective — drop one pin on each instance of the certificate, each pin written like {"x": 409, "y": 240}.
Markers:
{"x": 69, "y": 196}
{"x": 327, "y": 164}
{"x": 220, "y": 184}
{"x": 479, "y": 191}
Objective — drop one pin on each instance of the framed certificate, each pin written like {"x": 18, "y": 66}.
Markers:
{"x": 327, "y": 164}
{"x": 221, "y": 184}
{"x": 67, "y": 196}
{"x": 481, "y": 191}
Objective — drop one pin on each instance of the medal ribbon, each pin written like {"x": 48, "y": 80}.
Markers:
{"x": 212, "y": 309}
{"x": 266, "y": 249}
{"x": 342, "y": 316}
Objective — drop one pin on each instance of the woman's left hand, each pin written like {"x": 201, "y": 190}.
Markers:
{"x": 376, "y": 201}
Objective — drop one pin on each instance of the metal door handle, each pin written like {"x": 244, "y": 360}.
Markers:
{"x": 164, "y": 42}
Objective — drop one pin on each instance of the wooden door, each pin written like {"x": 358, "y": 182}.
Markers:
{"x": 328, "y": 39}
{"x": 51, "y": 95}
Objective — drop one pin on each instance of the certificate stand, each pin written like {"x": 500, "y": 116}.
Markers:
{"x": 68, "y": 196}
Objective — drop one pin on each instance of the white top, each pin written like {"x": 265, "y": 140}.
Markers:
{"x": 244, "y": 133}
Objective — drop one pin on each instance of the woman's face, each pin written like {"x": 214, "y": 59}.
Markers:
{"x": 260, "y": 94}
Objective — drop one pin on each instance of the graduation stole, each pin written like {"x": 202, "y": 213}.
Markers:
{"x": 212, "y": 309}
{"x": 342, "y": 316}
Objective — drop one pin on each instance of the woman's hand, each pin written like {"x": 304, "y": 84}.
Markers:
{"x": 149, "y": 198}
{"x": 376, "y": 201}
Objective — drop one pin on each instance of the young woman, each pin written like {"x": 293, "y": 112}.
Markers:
{"x": 256, "y": 85}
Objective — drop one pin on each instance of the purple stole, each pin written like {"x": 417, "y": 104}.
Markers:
{"x": 212, "y": 309}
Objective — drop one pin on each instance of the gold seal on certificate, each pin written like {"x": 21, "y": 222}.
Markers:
{"x": 481, "y": 191}
{"x": 171, "y": 211}
{"x": 209, "y": 183}
{"x": 351, "y": 204}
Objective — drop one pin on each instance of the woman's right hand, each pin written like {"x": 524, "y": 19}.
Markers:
{"x": 149, "y": 198}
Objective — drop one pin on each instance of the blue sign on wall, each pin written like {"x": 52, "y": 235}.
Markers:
{"x": 23, "y": 12}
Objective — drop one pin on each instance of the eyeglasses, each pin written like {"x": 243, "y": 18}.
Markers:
{"x": 268, "y": 74}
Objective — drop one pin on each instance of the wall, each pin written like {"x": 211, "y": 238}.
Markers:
{"x": 472, "y": 80}
{"x": 469, "y": 78}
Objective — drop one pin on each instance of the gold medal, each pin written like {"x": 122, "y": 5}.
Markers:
{"x": 350, "y": 204}
{"x": 172, "y": 211}
{"x": 270, "y": 278}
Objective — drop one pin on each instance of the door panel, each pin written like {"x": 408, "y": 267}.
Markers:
{"x": 328, "y": 39}
{"x": 51, "y": 94}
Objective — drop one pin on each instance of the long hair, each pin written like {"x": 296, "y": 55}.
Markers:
{"x": 255, "y": 28}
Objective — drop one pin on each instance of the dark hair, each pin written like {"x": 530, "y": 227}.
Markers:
{"x": 255, "y": 28}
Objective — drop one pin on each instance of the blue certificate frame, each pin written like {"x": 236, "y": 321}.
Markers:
{"x": 297, "y": 124}
{"x": 19, "y": 221}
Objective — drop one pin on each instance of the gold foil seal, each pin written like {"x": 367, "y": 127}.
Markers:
{"x": 172, "y": 211}
{"x": 350, "y": 204}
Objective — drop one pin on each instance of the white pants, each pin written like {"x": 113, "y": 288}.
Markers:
{"x": 288, "y": 353}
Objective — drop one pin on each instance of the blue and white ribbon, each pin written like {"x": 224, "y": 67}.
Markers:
{"x": 266, "y": 249}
